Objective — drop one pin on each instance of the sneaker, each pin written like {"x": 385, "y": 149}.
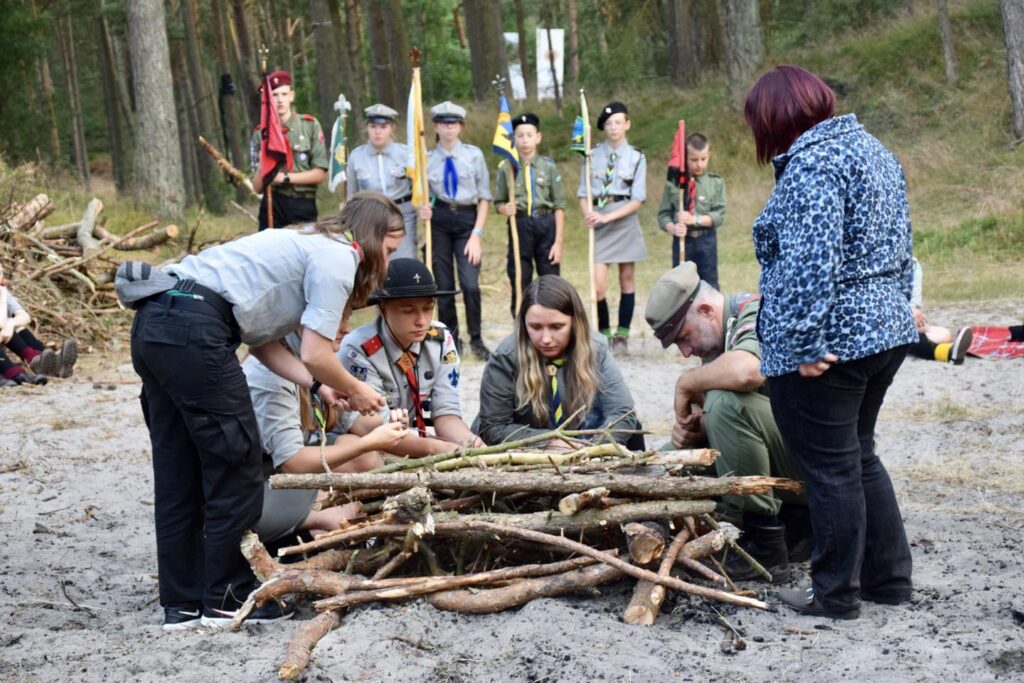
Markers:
{"x": 480, "y": 349}
{"x": 960, "y": 345}
{"x": 620, "y": 344}
{"x": 803, "y": 601}
{"x": 46, "y": 363}
{"x": 270, "y": 612}
{"x": 26, "y": 377}
{"x": 68, "y": 356}
{"x": 182, "y": 617}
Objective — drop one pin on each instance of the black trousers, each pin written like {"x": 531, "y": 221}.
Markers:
{"x": 450, "y": 231}
{"x": 536, "y": 237}
{"x": 207, "y": 475}
{"x": 828, "y": 425}
{"x": 288, "y": 210}
{"x": 703, "y": 251}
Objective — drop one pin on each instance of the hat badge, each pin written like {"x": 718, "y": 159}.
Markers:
{"x": 607, "y": 110}
{"x": 523, "y": 118}
{"x": 276, "y": 80}
{"x": 416, "y": 277}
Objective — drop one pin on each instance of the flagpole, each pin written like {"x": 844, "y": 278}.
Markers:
{"x": 343, "y": 106}
{"x": 591, "y": 239}
{"x": 269, "y": 189}
{"x": 419, "y": 155}
{"x": 683, "y": 188}
{"x": 510, "y": 181}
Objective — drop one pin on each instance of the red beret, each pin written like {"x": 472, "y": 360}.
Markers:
{"x": 279, "y": 79}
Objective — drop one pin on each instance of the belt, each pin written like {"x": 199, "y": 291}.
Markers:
{"x": 538, "y": 211}
{"x": 697, "y": 233}
{"x": 404, "y": 200}
{"x": 192, "y": 296}
{"x": 455, "y": 208}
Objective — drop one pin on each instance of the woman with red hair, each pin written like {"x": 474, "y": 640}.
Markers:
{"x": 834, "y": 244}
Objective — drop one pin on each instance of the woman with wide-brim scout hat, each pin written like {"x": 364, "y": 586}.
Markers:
{"x": 412, "y": 360}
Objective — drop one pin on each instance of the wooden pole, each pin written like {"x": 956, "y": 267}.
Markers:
{"x": 268, "y": 191}
{"x": 591, "y": 237}
{"x": 518, "y": 287}
{"x": 682, "y": 240}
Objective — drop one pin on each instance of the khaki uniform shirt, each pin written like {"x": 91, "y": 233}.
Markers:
{"x": 547, "y": 190}
{"x": 474, "y": 183}
{"x": 629, "y": 179}
{"x": 383, "y": 172}
{"x": 309, "y": 150}
{"x": 710, "y": 201}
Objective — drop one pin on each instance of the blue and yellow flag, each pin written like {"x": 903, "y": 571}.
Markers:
{"x": 578, "y": 142}
{"x": 339, "y": 154}
{"x": 502, "y": 144}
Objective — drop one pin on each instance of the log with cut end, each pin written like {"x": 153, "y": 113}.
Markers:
{"x": 146, "y": 241}
{"x": 645, "y": 540}
{"x": 541, "y": 482}
{"x": 305, "y": 638}
{"x": 446, "y": 524}
{"x": 705, "y": 545}
{"x": 37, "y": 208}
{"x": 647, "y": 596}
{"x": 575, "y": 502}
{"x": 518, "y": 593}
{"x": 84, "y": 235}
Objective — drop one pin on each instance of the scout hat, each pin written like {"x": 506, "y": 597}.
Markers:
{"x": 380, "y": 113}
{"x": 670, "y": 299}
{"x": 407, "y": 278}
{"x": 611, "y": 108}
{"x": 448, "y": 112}
{"x": 526, "y": 117}
{"x": 279, "y": 79}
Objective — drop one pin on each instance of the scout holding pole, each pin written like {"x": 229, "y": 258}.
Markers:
{"x": 502, "y": 145}
{"x": 416, "y": 164}
{"x": 275, "y": 150}
{"x": 339, "y": 154}
{"x": 679, "y": 175}
{"x": 581, "y": 143}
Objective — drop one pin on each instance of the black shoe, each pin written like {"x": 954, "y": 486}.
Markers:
{"x": 480, "y": 349}
{"x": 270, "y": 612}
{"x": 182, "y": 617}
{"x": 803, "y": 601}
{"x": 26, "y": 377}
{"x": 960, "y": 345}
{"x": 767, "y": 545}
{"x": 884, "y": 598}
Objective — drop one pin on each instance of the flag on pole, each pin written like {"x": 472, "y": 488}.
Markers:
{"x": 578, "y": 142}
{"x": 339, "y": 154}
{"x": 677, "y": 172}
{"x": 502, "y": 144}
{"x": 275, "y": 152}
{"x": 416, "y": 164}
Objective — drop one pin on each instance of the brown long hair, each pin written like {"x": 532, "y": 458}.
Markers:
{"x": 581, "y": 380}
{"x": 367, "y": 218}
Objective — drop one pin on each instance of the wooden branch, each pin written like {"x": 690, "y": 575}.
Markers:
{"x": 448, "y": 524}
{"x": 738, "y": 549}
{"x": 363, "y": 560}
{"x": 149, "y": 241}
{"x": 539, "y": 482}
{"x": 518, "y": 593}
{"x": 646, "y": 541}
{"x": 305, "y": 638}
{"x": 705, "y": 545}
{"x": 50, "y": 271}
{"x": 28, "y": 215}
{"x": 59, "y": 232}
{"x": 575, "y": 502}
{"x": 84, "y": 235}
{"x": 647, "y": 597}
{"x": 263, "y": 565}
{"x": 236, "y": 176}
{"x": 699, "y": 569}
{"x": 520, "y": 458}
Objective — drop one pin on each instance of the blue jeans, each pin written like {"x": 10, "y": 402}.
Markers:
{"x": 702, "y": 249}
{"x": 828, "y": 425}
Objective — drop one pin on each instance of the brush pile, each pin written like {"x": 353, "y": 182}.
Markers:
{"x": 489, "y": 529}
{"x": 64, "y": 274}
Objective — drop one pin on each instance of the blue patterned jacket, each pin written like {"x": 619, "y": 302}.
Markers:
{"x": 835, "y": 248}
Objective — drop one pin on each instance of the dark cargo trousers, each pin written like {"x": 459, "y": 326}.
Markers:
{"x": 207, "y": 475}
{"x": 536, "y": 237}
{"x": 450, "y": 231}
{"x": 702, "y": 249}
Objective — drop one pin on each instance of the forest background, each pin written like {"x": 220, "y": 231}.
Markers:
{"x": 936, "y": 81}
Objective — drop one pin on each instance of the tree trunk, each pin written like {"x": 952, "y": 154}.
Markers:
{"x": 189, "y": 158}
{"x": 328, "y": 62}
{"x": 46, "y": 86}
{"x": 115, "y": 130}
{"x": 338, "y": 35}
{"x": 1013, "y": 33}
{"x": 66, "y": 40}
{"x": 380, "y": 56}
{"x": 158, "y": 174}
{"x": 398, "y": 42}
{"x": 948, "y": 51}
{"x": 354, "y": 26}
{"x": 602, "y": 40}
{"x": 683, "y": 47}
{"x": 486, "y": 45}
{"x": 228, "y": 105}
{"x": 524, "y": 61}
{"x": 246, "y": 63}
{"x": 741, "y": 26}
{"x": 202, "y": 103}
{"x": 574, "y": 45}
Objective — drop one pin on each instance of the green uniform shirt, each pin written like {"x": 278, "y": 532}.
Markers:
{"x": 546, "y": 188}
{"x": 740, "y": 323}
{"x": 309, "y": 150}
{"x": 710, "y": 201}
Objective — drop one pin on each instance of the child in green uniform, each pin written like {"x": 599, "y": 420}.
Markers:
{"x": 539, "y": 207}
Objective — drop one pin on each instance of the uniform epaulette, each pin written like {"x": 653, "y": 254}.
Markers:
{"x": 549, "y": 159}
{"x": 309, "y": 117}
{"x": 372, "y": 345}
{"x": 637, "y": 148}
{"x": 436, "y": 333}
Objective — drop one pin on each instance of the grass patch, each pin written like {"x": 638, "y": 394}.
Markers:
{"x": 995, "y": 475}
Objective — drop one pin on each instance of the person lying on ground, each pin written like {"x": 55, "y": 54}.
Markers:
{"x": 933, "y": 341}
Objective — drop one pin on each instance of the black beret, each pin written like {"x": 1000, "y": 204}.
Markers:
{"x": 612, "y": 108}
{"x": 526, "y": 117}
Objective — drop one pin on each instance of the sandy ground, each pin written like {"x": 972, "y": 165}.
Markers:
{"x": 79, "y": 594}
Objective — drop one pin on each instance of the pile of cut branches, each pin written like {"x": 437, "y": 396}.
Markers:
{"x": 489, "y": 529}
{"x": 64, "y": 274}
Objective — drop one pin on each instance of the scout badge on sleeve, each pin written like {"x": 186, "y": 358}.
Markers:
{"x": 339, "y": 154}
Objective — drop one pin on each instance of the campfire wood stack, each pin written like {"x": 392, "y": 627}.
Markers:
{"x": 485, "y": 530}
{"x": 64, "y": 274}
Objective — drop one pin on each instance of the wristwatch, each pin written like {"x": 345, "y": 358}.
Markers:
{"x": 287, "y": 178}
{"x": 315, "y": 387}
{"x": 479, "y": 232}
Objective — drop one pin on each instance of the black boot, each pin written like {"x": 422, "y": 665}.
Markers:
{"x": 799, "y": 541}
{"x": 765, "y": 541}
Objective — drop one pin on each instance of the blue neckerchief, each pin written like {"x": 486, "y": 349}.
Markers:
{"x": 451, "y": 178}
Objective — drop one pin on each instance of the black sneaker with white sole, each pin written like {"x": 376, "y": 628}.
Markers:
{"x": 960, "y": 345}
{"x": 267, "y": 614}
{"x": 182, "y": 617}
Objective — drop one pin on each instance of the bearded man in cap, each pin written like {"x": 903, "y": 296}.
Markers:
{"x": 295, "y": 189}
{"x": 411, "y": 359}
{"x": 724, "y": 403}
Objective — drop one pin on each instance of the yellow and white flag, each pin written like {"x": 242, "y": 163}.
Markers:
{"x": 416, "y": 164}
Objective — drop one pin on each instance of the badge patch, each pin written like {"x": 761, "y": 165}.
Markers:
{"x": 453, "y": 377}
{"x": 303, "y": 156}
{"x": 358, "y": 371}
{"x": 450, "y": 358}
{"x": 320, "y": 136}
{"x": 352, "y": 354}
